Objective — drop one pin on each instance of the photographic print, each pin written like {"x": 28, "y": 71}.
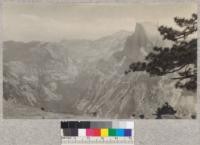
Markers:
{"x": 108, "y": 61}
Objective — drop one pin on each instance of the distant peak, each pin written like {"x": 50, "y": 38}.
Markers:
{"x": 139, "y": 28}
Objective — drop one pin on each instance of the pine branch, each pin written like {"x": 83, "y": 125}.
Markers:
{"x": 182, "y": 55}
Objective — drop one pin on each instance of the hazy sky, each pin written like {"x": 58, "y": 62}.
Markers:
{"x": 54, "y": 22}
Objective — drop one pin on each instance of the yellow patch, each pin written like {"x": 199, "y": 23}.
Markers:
{"x": 104, "y": 132}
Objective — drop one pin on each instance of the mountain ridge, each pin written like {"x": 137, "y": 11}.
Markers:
{"x": 89, "y": 74}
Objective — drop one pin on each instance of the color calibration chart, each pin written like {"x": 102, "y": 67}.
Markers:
{"x": 109, "y": 132}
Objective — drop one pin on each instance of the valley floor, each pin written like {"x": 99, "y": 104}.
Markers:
{"x": 16, "y": 111}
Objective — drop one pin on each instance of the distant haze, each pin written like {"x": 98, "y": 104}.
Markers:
{"x": 55, "y": 22}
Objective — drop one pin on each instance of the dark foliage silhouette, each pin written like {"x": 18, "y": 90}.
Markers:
{"x": 179, "y": 60}
{"x": 166, "y": 109}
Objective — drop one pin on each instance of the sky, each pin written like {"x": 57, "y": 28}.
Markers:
{"x": 55, "y": 22}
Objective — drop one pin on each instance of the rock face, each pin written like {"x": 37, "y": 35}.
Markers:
{"x": 84, "y": 77}
{"x": 137, "y": 45}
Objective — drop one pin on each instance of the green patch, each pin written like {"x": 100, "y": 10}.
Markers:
{"x": 112, "y": 132}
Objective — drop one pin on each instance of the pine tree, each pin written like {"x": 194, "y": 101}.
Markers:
{"x": 166, "y": 109}
{"x": 179, "y": 60}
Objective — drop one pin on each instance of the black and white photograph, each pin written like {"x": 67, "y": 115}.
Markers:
{"x": 108, "y": 61}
